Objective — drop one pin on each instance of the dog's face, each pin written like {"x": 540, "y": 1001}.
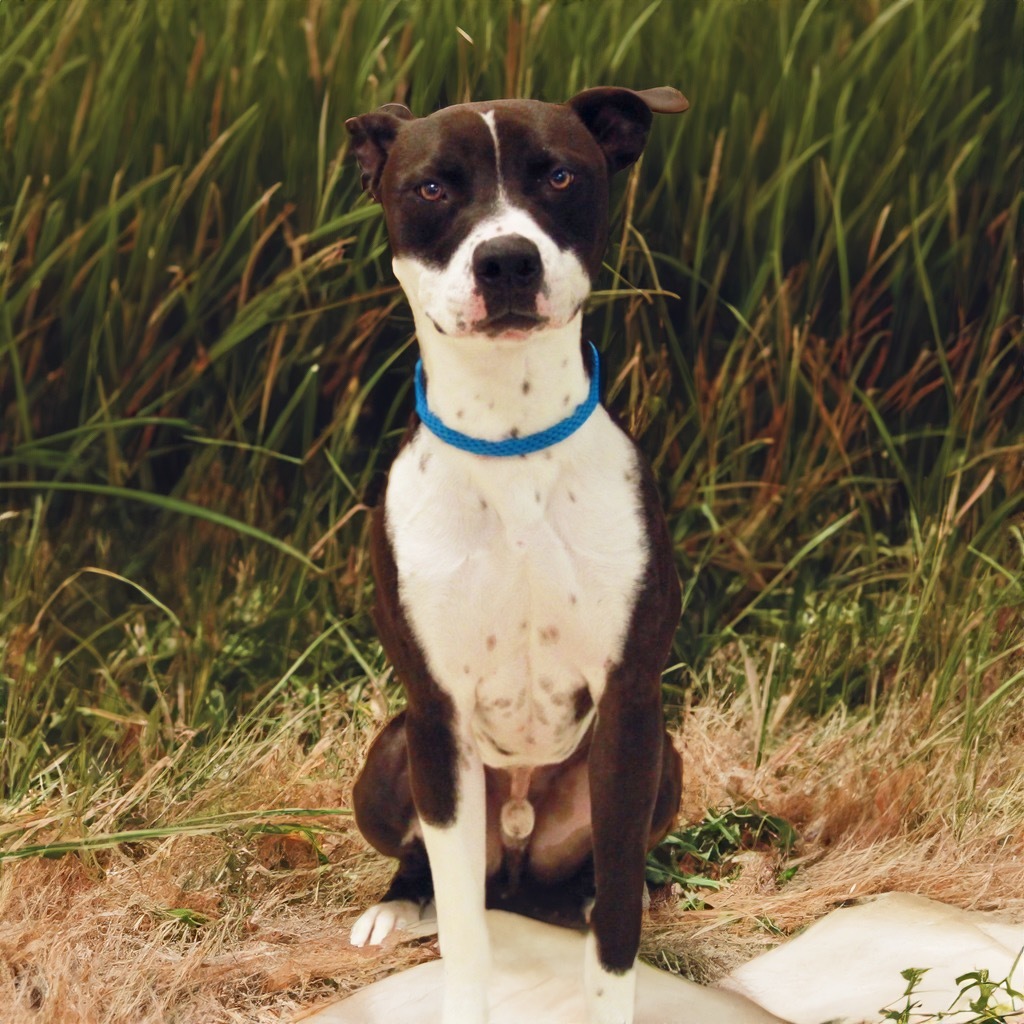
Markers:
{"x": 498, "y": 212}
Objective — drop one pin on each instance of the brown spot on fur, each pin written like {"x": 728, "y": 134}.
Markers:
{"x": 526, "y": 387}
{"x": 549, "y": 635}
{"x": 492, "y": 642}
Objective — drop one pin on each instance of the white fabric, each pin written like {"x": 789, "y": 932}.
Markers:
{"x": 845, "y": 967}
{"x": 537, "y": 978}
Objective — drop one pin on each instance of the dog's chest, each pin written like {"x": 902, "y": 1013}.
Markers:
{"x": 518, "y": 577}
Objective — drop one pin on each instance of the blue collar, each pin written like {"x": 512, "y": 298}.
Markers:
{"x": 512, "y": 445}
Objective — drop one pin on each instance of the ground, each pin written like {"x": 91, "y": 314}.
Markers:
{"x": 250, "y": 923}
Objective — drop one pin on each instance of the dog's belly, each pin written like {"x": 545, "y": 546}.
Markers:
{"x": 518, "y": 577}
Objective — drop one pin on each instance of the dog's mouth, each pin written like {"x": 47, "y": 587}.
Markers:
{"x": 511, "y": 321}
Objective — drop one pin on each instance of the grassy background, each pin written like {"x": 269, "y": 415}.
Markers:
{"x": 810, "y": 315}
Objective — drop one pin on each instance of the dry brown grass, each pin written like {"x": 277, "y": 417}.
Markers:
{"x": 250, "y": 926}
{"x": 898, "y": 806}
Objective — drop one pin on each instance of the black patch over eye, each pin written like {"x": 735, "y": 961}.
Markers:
{"x": 561, "y": 178}
{"x": 431, "y": 191}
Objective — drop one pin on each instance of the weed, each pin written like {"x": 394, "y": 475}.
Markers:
{"x": 710, "y": 846}
{"x": 983, "y": 997}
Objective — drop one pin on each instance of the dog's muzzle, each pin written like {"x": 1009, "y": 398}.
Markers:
{"x": 509, "y": 272}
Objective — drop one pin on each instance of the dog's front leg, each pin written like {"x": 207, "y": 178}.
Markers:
{"x": 625, "y": 766}
{"x": 447, "y": 777}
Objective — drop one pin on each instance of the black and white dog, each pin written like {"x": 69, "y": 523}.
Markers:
{"x": 526, "y": 590}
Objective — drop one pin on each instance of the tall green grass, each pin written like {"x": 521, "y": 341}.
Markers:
{"x": 810, "y": 314}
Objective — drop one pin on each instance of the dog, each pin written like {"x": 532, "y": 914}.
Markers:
{"x": 526, "y": 589}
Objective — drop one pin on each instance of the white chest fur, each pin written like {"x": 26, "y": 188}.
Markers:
{"x": 518, "y": 576}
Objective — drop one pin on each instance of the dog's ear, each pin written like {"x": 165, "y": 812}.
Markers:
{"x": 372, "y": 137}
{"x": 619, "y": 118}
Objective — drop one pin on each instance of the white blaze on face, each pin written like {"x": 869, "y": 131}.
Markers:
{"x": 492, "y": 124}
{"x": 449, "y": 295}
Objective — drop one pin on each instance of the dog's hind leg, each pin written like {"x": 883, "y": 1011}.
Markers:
{"x": 386, "y": 817}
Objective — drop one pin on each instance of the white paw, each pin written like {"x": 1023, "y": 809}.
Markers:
{"x": 610, "y": 997}
{"x": 379, "y": 921}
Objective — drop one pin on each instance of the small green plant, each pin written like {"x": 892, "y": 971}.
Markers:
{"x": 985, "y": 1003}
{"x": 701, "y": 855}
{"x": 912, "y": 976}
{"x": 185, "y": 916}
{"x": 991, "y": 1002}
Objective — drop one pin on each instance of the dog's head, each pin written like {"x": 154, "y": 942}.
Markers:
{"x": 498, "y": 212}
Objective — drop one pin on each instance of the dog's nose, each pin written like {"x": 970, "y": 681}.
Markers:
{"x": 510, "y": 263}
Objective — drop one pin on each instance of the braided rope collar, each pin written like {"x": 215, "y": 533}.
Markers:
{"x": 511, "y": 445}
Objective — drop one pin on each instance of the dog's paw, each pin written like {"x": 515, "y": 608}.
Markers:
{"x": 610, "y": 995}
{"x": 379, "y": 921}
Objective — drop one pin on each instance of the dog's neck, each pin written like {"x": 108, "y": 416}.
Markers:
{"x": 493, "y": 388}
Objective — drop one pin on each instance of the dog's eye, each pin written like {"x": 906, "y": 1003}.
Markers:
{"x": 560, "y": 178}
{"x": 430, "y": 190}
